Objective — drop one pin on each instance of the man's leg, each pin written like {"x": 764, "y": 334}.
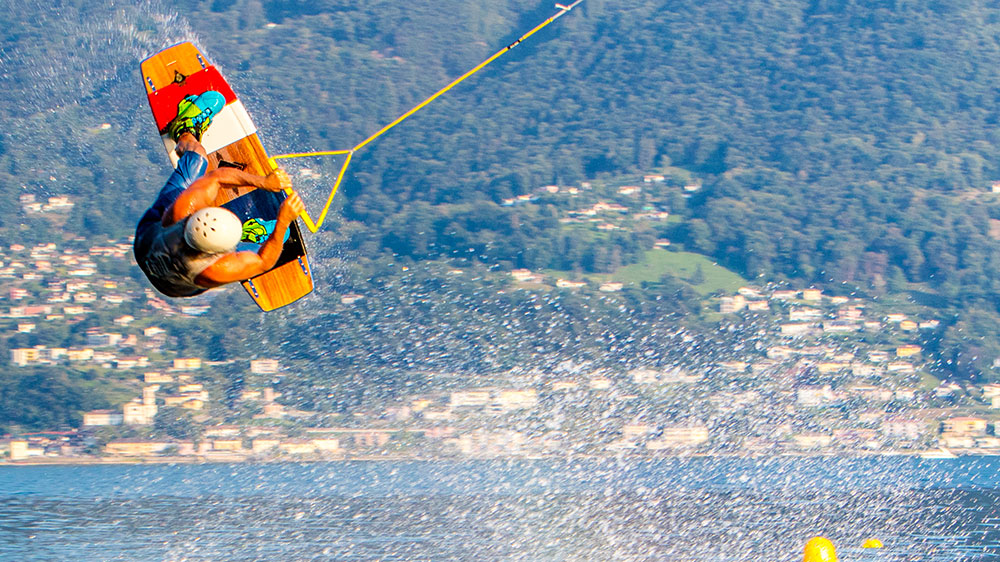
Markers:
{"x": 188, "y": 143}
{"x": 191, "y": 166}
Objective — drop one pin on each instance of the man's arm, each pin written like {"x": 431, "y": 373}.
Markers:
{"x": 204, "y": 190}
{"x": 244, "y": 265}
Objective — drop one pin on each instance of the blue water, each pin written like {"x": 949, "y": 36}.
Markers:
{"x": 671, "y": 510}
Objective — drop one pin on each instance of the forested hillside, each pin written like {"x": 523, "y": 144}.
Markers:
{"x": 851, "y": 145}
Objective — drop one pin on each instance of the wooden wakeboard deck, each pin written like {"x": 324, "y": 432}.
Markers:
{"x": 232, "y": 139}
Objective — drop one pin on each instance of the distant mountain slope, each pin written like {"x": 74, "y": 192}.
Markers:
{"x": 846, "y": 144}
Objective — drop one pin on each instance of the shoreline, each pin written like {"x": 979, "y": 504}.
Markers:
{"x": 932, "y": 454}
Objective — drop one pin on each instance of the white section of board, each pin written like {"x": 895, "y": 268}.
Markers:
{"x": 230, "y": 125}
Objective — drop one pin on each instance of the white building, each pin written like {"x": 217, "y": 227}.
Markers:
{"x": 812, "y": 396}
{"x": 508, "y": 400}
{"x": 470, "y": 399}
{"x": 264, "y": 366}
{"x": 141, "y": 412}
{"x": 102, "y": 417}
{"x": 672, "y": 437}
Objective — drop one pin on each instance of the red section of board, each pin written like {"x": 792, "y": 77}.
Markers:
{"x": 164, "y": 100}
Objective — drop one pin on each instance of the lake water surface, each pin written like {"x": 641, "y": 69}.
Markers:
{"x": 705, "y": 510}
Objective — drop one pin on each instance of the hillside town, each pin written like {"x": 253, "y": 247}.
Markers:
{"x": 834, "y": 375}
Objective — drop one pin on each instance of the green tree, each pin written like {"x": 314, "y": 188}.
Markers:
{"x": 175, "y": 423}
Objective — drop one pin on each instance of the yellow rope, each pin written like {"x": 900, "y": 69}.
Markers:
{"x": 314, "y": 226}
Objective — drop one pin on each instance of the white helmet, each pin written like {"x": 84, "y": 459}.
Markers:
{"x": 213, "y": 230}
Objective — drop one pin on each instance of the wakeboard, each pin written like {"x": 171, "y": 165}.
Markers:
{"x": 231, "y": 140}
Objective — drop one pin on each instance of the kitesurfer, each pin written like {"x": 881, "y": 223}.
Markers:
{"x": 183, "y": 243}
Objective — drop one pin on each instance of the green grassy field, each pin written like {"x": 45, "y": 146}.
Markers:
{"x": 928, "y": 381}
{"x": 682, "y": 265}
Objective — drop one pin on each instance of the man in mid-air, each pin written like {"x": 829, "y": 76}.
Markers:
{"x": 183, "y": 243}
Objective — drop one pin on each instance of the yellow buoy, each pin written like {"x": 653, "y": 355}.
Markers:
{"x": 820, "y": 549}
{"x": 872, "y": 543}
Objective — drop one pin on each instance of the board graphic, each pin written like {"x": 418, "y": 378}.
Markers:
{"x": 231, "y": 140}
{"x": 258, "y": 211}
